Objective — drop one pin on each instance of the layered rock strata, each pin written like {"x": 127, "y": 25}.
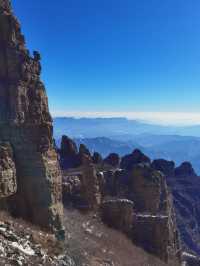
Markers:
{"x": 118, "y": 213}
{"x": 25, "y": 123}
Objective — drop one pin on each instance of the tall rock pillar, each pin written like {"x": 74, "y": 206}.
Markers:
{"x": 25, "y": 123}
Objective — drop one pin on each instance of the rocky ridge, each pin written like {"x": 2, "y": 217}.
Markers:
{"x": 134, "y": 200}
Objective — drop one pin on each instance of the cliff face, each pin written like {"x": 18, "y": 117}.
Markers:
{"x": 184, "y": 184}
{"x": 25, "y": 123}
{"x": 133, "y": 199}
{"x": 8, "y": 180}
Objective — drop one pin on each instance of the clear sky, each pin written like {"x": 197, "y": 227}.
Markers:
{"x": 116, "y": 55}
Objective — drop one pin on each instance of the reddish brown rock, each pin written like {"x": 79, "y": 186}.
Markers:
{"x": 26, "y": 124}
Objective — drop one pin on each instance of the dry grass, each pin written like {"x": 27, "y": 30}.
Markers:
{"x": 103, "y": 245}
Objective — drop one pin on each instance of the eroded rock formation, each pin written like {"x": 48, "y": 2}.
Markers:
{"x": 112, "y": 159}
{"x": 25, "y": 123}
{"x": 184, "y": 185}
{"x": 8, "y": 178}
{"x": 68, "y": 153}
{"x": 118, "y": 213}
{"x": 90, "y": 184}
{"x": 128, "y": 161}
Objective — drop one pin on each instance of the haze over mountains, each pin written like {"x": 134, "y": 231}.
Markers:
{"x": 120, "y": 135}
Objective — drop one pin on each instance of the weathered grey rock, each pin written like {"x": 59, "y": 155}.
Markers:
{"x": 130, "y": 160}
{"x": 26, "y": 124}
{"x": 68, "y": 147}
{"x": 112, "y": 159}
{"x": 166, "y": 167}
{"x": 185, "y": 169}
{"x": 157, "y": 235}
{"x": 97, "y": 158}
{"x": 90, "y": 184}
{"x": 69, "y": 157}
{"x": 118, "y": 213}
{"x": 144, "y": 185}
{"x": 8, "y": 179}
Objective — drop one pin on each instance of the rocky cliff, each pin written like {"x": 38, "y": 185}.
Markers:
{"x": 133, "y": 199}
{"x": 31, "y": 164}
{"x": 184, "y": 184}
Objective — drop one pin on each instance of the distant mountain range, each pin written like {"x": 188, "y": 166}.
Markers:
{"x": 106, "y": 135}
{"x": 116, "y": 127}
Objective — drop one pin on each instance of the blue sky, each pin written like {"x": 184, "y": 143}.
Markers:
{"x": 116, "y": 55}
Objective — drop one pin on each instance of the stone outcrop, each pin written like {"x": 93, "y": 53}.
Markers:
{"x": 185, "y": 169}
{"x": 128, "y": 161}
{"x": 153, "y": 221}
{"x": 25, "y": 123}
{"x": 110, "y": 187}
{"x": 97, "y": 158}
{"x": 72, "y": 191}
{"x": 83, "y": 150}
{"x": 184, "y": 185}
{"x": 154, "y": 224}
{"x": 8, "y": 178}
{"x": 90, "y": 184}
{"x": 68, "y": 153}
{"x": 118, "y": 213}
{"x": 142, "y": 184}
{"x": 112, "y": 159}
{"x": 166, "y": 167}
{"x": 68, "y": 147}
{"x": 145, "y": 187}
{"x": 155, "y": 234}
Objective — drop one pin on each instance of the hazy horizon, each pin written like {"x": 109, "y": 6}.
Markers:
{"x": 159, "y": 118}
